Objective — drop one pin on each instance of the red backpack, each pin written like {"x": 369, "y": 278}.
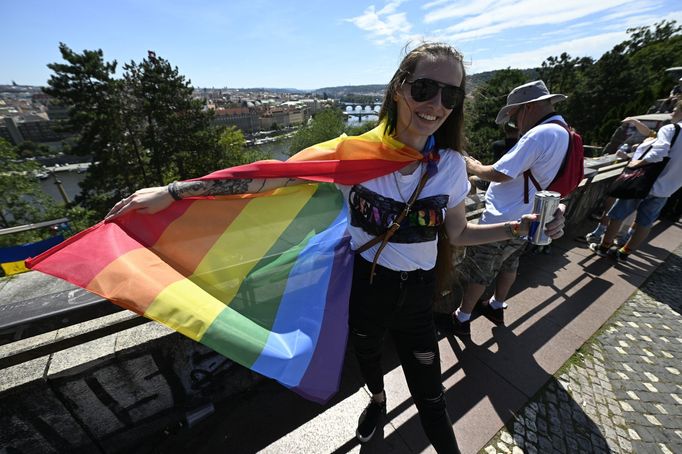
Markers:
{"x": 571, "y": 171}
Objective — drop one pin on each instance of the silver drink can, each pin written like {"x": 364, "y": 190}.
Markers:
{"x": 544, "y": 205}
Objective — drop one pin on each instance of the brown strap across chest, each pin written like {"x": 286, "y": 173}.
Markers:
{"x": 395, "y": 225}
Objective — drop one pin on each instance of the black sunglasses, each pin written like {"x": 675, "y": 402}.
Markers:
{"x": 424, "y": 89}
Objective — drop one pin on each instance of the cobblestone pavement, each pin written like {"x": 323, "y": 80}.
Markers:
{"x": 622, "y": 391}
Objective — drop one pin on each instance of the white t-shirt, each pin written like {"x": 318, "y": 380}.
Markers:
{"x": 670, "y": 180}
{"x": 375, "y": 203}
{"x": 542, "y": 150}
{"x": 642, "y": 147}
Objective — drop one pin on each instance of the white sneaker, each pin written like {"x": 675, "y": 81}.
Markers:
{"x": 596, "y": 248}
{"x": 593, "y": 238}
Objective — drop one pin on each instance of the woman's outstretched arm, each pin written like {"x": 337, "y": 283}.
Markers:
{"x": 153, "y": 200}
{"x": 463, "y": 233}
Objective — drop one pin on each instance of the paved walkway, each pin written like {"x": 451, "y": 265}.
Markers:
{"x": 622, "y": 392}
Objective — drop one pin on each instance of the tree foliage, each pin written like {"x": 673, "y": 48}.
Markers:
{"x": 481, "y": 110}
{"x": 325, "y": 125}
{"x": 142, "y": 129}
{"x": 625, "y": 81}
{"x": 23, "y": 201}
{"x": 356, "y": 130}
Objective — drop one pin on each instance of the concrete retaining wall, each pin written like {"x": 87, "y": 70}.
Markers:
{"x": 103, "y": 395}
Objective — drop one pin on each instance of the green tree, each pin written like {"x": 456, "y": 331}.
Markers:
{"x": 570, "y": 76}
{"x": 487, "y": 99}
{"x": 168, "y": 123}
{"x": 624, "y": 81}
{"x": 232, "y": 145}
{"x": 361, "y": 128}
{"x": 141, "y": 130}
{"x": 325, "y": 125}
{"x": 23, "y": 201}
{"x": 86, "y": 83}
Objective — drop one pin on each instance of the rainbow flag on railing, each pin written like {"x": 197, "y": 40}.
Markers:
{"x": 263, "y": 279}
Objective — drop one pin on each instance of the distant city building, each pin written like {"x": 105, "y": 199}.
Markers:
{"x": 57, "y": 111}
{"x": 243, "y": 118}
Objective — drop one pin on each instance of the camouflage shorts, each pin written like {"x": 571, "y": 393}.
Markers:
{"x": 483, "y": 262}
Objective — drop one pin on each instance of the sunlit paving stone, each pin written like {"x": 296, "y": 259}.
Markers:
{"x": 633, "y": 435}
{"x": 650, "y": 387}
{"x": 632, "y": 395}
{"x": 651, "y": 377}
{"x": 661, "y": 409}
{"x": 646, "y": 338}
{"x": 664, "y": 449}
{"x": 652, "y": 419}
{"x": 626, "y": 406}
{"x": 673, "y": 370}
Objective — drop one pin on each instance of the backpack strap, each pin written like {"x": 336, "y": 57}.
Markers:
{"x": 677, "y": 133}
{"x": 645, "y": 152}
{"x": 528, "y": 175}
{"x": 672, "y": 142}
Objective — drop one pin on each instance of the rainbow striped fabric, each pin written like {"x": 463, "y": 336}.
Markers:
{"x": 263, "y": 279}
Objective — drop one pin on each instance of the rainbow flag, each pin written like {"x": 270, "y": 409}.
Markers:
{"x": 263, "y": 278}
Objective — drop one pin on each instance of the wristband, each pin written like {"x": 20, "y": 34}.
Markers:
{"x": 173, "y": 190}
{"x": 513, "y": 228}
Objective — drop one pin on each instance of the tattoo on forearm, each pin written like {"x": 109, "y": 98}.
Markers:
{"x": 213, "y": 187}
{"x": 189, "y": 188}
{"x": 229, "y": 187}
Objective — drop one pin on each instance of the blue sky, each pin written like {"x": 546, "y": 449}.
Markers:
{"x": 312, "y": 44}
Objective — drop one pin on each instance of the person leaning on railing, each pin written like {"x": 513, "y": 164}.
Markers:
{"x": 666, "y": 146}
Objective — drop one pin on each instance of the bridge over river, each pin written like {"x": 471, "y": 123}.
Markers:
{"x": 360, "y": 111}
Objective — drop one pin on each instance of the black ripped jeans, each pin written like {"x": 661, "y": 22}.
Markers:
{"x": 400, "y": 303}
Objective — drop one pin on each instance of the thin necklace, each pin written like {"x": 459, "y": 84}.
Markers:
{"x": 397, "y": 185}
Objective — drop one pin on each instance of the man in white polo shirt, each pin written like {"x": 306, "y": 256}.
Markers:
{"x": 541, "y": 149}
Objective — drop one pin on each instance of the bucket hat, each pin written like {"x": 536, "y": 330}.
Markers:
{"x": 530, "y": 92}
